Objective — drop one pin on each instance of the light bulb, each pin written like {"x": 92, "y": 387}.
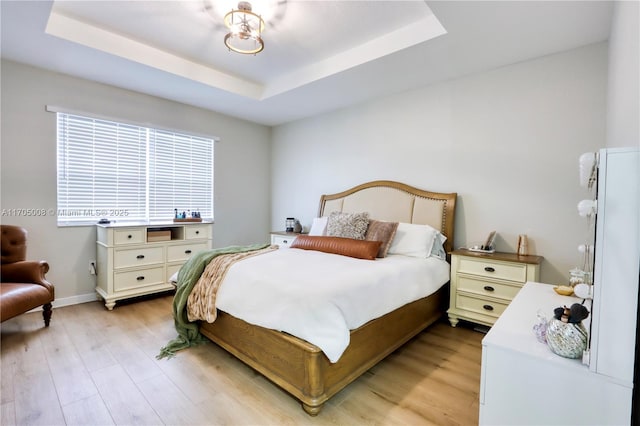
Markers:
{"x": 582, "y": 248}
{"x": 586, "y": 208}
{"x": 583, "y": 291}
{"x": 587, "y": 161}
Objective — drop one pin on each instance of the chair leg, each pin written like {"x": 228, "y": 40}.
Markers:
{"x": 46, "y": 314}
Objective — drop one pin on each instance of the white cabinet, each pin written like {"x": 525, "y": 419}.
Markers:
{"x": 134, "y": 260}
{"x": 524, "y": 383}
{"x": 283, "y": 239}
{"x": 617, "y": 261}
{"x": 483, "y": 285}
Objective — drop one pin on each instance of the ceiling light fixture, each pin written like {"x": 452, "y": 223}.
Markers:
{"x": 245, "y": 30}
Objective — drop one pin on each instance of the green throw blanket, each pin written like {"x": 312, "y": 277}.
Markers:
{"x": 188, "y": 332}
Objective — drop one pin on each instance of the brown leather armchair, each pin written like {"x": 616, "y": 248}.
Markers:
{"x": 22, "y": 283}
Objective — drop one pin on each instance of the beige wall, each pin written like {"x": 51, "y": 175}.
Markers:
{"x": 28, "y": 166}
{"x": 507, "y": 140}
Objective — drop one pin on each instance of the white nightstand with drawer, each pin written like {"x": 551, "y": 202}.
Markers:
{"x": 483, "y": 285}
{"x": 283, "y": 239}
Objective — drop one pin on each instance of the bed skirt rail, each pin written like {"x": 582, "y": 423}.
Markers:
{"x": 302, "y": 369}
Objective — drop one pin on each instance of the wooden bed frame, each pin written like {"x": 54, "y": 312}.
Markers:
{"x": 301, "y": 368}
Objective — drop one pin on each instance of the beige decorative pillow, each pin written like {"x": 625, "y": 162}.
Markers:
{"x": 348, "y": 225}
{"x": 381, "y": 231}
{"x": 360, "y": 249}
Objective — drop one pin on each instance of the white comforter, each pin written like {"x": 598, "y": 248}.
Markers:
{"x": 319, "y": 297}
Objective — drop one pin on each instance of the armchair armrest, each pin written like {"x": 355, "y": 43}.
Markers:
{"x": 26, "y": 271}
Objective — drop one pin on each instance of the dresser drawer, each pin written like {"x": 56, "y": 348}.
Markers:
{"x": 487, "y": 288}
{"x": 481, "y": 306}
{"x": 125, "y": 258}
{"x": 172, "y": 269}
{"x": 509, "y": 271}
{"x": 129, "y": 236}
{"x": 140, "y": 278}
{"x": 182, "y": 252}
{"x": 196, "y": 232}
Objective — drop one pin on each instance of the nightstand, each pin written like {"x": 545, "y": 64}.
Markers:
{"x": 283, "y": 239}
{"x": 483, "y": 285}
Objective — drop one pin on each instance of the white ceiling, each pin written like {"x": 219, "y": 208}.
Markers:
{"x": 318, "y": 56}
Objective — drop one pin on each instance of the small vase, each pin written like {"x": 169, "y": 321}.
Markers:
{"x": 567, "y": 339}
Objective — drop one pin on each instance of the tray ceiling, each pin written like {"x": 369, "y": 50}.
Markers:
{"x": 319, "y": 55}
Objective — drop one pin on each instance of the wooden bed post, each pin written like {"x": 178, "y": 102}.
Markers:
{"x": 315, "y": 378}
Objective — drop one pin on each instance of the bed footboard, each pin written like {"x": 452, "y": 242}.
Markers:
{"x": 302, "y": 369}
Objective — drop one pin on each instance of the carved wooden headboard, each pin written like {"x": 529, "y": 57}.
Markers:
{"x": 396, "y": 202}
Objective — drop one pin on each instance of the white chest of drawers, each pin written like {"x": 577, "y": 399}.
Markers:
{"x": 130, "y": 262}
{"x": 483, "y": 285}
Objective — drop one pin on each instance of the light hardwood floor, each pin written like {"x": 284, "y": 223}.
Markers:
{"x": 98, "y": 367}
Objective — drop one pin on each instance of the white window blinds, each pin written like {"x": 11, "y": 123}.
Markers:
{"x": 180, "y": 168}
{"x": 125, "y": 172}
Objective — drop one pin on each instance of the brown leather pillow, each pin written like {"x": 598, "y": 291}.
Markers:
{"x": 360, "y": 249}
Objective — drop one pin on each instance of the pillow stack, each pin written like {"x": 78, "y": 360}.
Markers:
{"x": 405, "y": 239}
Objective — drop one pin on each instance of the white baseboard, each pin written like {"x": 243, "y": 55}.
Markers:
{"x": 73, "y": 300}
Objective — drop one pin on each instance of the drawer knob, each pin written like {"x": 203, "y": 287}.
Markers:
{"x": 285, "y": 242}
{"x": 488, "y": 307}
{"x": 197, "y": 232}
{"x": 140, "y": 278}
{"x": 129, "y": 236}
{"x": 140, "y": 256}
{"x": 489, "y": 288}
{"x": 187, "y": 251}
{"x": 489, "y": 269}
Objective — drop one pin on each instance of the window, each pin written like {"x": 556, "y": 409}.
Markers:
{"x": 126, "y": 172}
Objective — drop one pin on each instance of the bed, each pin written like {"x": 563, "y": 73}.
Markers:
{"x": 303, "y": 369}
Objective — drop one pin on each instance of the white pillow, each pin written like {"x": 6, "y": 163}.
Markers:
{"x": 438, "y": 247}
{"x": 413, "y": 240}
{"x": 319, "y": 226}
